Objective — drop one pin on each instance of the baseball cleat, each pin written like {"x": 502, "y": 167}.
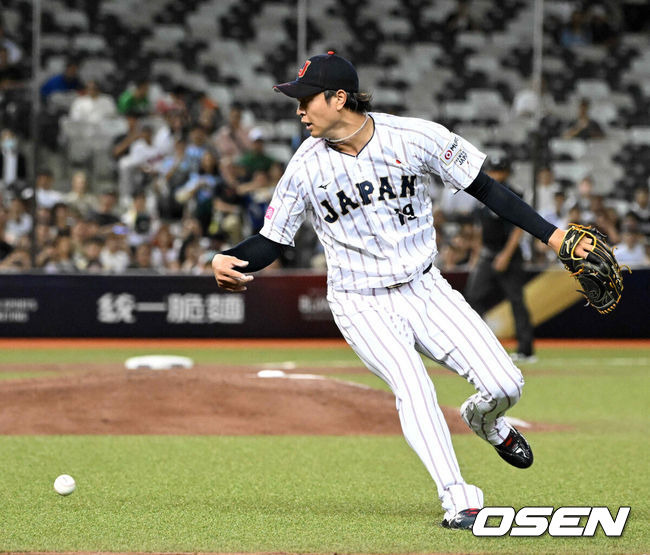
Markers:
{"x": 515, "y": 450}
{"x": 463, "y": 520}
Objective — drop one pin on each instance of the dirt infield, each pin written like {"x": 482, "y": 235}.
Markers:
{"x": 107, "y": 399}
{"x": 204, "y": 400}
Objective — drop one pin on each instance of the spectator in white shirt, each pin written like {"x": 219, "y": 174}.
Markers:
{"x": 62, "y": 256}
{"x": 557, "y": 215}
{"x": 46, "y": 195}
{"x": 545, "y": 192}
{"x": 19, "y": 222}
{"x": 142, "y": 158}
{"x": 631, "y": 250}
{"x": 94, "y": 106}
{"x": 164, "y": 256}
{"x": 115, "y": 256}
{"x": 581, "y": 195}
{"x": 13, "y": 164}
{"x": 641, "y": 208}
{"x": 526, "y": 102}
{"x": 78, "y": 197}
{"x": 169, "y": 133}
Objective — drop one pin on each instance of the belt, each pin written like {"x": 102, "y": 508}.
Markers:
{"x": 396, "y": 285}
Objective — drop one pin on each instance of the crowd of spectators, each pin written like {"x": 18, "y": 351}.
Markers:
{"x": 189, "y": 179}
{"x": 625, "y": 224}
{"x": 183, "y": 191}
{"x": 187, "y": 182}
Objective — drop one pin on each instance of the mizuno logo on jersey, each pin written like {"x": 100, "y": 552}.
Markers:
{"x": 364, "y": 191}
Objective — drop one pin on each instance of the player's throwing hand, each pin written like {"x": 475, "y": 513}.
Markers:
{"x": 227, "y": 276}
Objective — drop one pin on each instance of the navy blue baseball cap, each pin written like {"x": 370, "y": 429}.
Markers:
{"x": 321, "y": 73}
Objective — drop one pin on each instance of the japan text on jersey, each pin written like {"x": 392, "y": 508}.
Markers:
{"x": 372, "y": 212}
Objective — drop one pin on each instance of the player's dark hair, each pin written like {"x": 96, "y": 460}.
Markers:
{"x": 357, "y": 102}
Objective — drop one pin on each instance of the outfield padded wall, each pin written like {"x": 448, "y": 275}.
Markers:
{"x": 276, "y": 305}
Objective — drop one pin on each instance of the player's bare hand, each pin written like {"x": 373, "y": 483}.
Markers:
{"x": 582, "y": 248}
{"x": 226, "y": 273}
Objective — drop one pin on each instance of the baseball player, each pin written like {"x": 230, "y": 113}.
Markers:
{"x": 363, "y": 179}
{"x": 500, "y": 266}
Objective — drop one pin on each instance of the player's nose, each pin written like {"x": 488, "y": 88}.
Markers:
{"x": 300, "y": 109}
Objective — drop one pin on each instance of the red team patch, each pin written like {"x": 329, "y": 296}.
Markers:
{"x": 269, "y": 212}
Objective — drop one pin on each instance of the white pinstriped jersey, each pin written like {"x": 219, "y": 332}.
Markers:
{"x": 372, "y": 212}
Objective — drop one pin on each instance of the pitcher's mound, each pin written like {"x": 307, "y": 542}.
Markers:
{"x": 203, "y": 400}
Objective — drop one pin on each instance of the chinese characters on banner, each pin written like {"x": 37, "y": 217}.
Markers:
{"x": 180, "y": 308}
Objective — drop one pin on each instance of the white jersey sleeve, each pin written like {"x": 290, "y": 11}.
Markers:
{"x": 287, "y": 208}
{"x": 449, "y": 156}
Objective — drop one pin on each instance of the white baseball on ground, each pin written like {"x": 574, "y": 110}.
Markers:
{"x": 64, "y": 484}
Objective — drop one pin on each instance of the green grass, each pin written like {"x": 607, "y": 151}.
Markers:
{"x": 294, "y": 493}
{"x": 331, "y": 494}
{"x": 22, "y": 375}
{"x": 337, "y": 355}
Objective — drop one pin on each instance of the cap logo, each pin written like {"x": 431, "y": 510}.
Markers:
{"x": 304, "y": 68}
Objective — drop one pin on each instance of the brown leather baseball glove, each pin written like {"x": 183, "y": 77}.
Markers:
{"x": 599, "y": 274}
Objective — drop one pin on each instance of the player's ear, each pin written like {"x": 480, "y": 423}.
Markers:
{"x": 341, "y": 99}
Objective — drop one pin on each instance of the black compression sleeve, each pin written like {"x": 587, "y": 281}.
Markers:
{"x": 509, "y": 206}
{"x": 258, "y": 250}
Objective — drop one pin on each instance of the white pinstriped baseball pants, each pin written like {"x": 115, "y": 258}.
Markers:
{"x": 388, "y": 328}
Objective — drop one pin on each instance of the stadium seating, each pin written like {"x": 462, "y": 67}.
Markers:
{"x": 236, "y": 50}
